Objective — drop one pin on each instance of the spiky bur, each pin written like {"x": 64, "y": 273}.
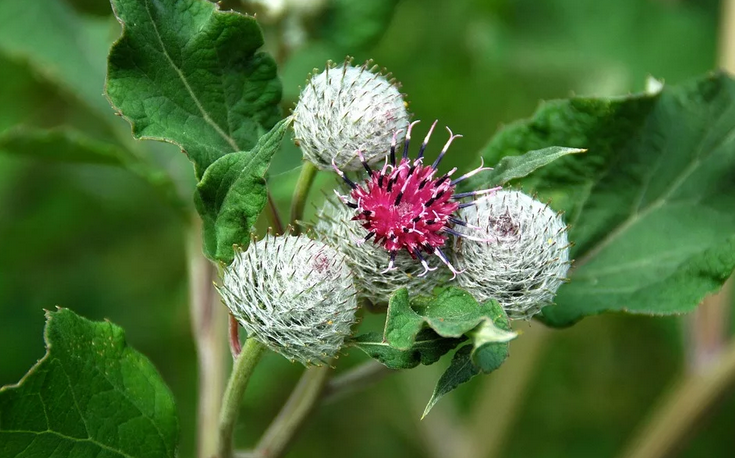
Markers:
{"x": 293, "y": 294}
{"x": 346, "y": 108}
{"x": 405, "y": 206}
{"x": 337, "y": 227}
{"x": 527, "y": 263}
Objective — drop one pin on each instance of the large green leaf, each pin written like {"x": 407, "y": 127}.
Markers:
{"x": 426, "y": 349}
{"x": 650, "y": 203}
{"x": 232, "y": 193}
{"x": 185, "y": 73}
{"x": 69, "y": 146}
{"x": 90, "y": 396}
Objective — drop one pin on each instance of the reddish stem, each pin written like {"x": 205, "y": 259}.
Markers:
{"x": 235, "y": 346}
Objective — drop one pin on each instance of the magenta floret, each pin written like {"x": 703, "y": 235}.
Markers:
{"x": 405, "y": 206}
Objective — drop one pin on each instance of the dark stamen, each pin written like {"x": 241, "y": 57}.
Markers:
{"x": 417, "y": 252}
{"x": 365, "y": 164}
{"x": 349, "y": 182}
{"x": 422, "y": 184}
{"x": 457, "y": 221}
{"x": 434, "y": 199}
{"x": 398, "y": 198}
{"x": 408, "y": 139}
{"x": 438, "y": 160}
{"x": 369, "y": 236}
{"x": 441, "y": 180}
{"x": 472, "y": 173}
{"x": 343, "y": 176}
{"x": 391, "y": 182}
{"x": 380, "y": 180}
{"x": 462, "y": 195}
{"x": 444, "y": 150}
{"x": 426, "y": 140}
{"x": 453, "y": 232}
{"x": 351, "y": 205}
{"x": 475, "y": 193}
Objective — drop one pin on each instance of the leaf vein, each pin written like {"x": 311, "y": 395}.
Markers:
{"x": 68, "y": 438}
{"x": 638, "y": 214}
{"x": 189, "y": 89}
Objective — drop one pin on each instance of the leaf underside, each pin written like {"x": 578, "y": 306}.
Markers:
{"x": 423, "y": 329}
{"x": 232, "y": 193}
{"x": 650, "y": 204}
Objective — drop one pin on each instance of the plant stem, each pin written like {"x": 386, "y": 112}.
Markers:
{"x": 501, "y": 398}
{"x": 272, "y": 214}
{"x": 673, "y": 421}
{"x": 243, "y": 368}
{"x": 301, "y": 192}
{"x": 235, "y": 347}
{"x": 355, "y": 379}
{"x": 208, "y": 321}
{"x": 300, "y": 404}
{"x": 707, "y": 330}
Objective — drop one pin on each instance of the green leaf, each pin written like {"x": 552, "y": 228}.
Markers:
{"x": 232, "y": 193}
{"x": 402, "y": 323}
{"x": 185, "y": 73}
{"x": 69, "y": 146}
{"x": 649, "y": 204}
{"x": 513, "y": 167}
{"x": 490, "y": 348}
{"x": 426, "y": 349}
{"x": 451, "y": 313}
{"x": 487, "y": 352}
{"x": 90, "y": 396}
{"x": 460, "y": 370}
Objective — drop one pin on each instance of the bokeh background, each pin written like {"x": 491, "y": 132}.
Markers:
{"x": 103, "y": 243}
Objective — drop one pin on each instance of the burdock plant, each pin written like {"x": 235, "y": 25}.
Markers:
{"x": 527, "y": 260}
{"x": 294, "y": 295}
{"x": 344, "y": 109}
{"x": 451, "y": 256}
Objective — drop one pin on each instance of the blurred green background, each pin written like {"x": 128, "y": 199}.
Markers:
{"x": 102, "y": 242}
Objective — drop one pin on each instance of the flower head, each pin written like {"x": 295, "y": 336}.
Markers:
{"x": 346, "y": 108}
{"x": 527, "y": 263}
{"x": 337, "y": 227}
{"x": 406, "y": 206}
{"x": 294, "y": 295}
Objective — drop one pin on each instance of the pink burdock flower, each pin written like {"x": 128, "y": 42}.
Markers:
{"x": 405, "y": 206}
